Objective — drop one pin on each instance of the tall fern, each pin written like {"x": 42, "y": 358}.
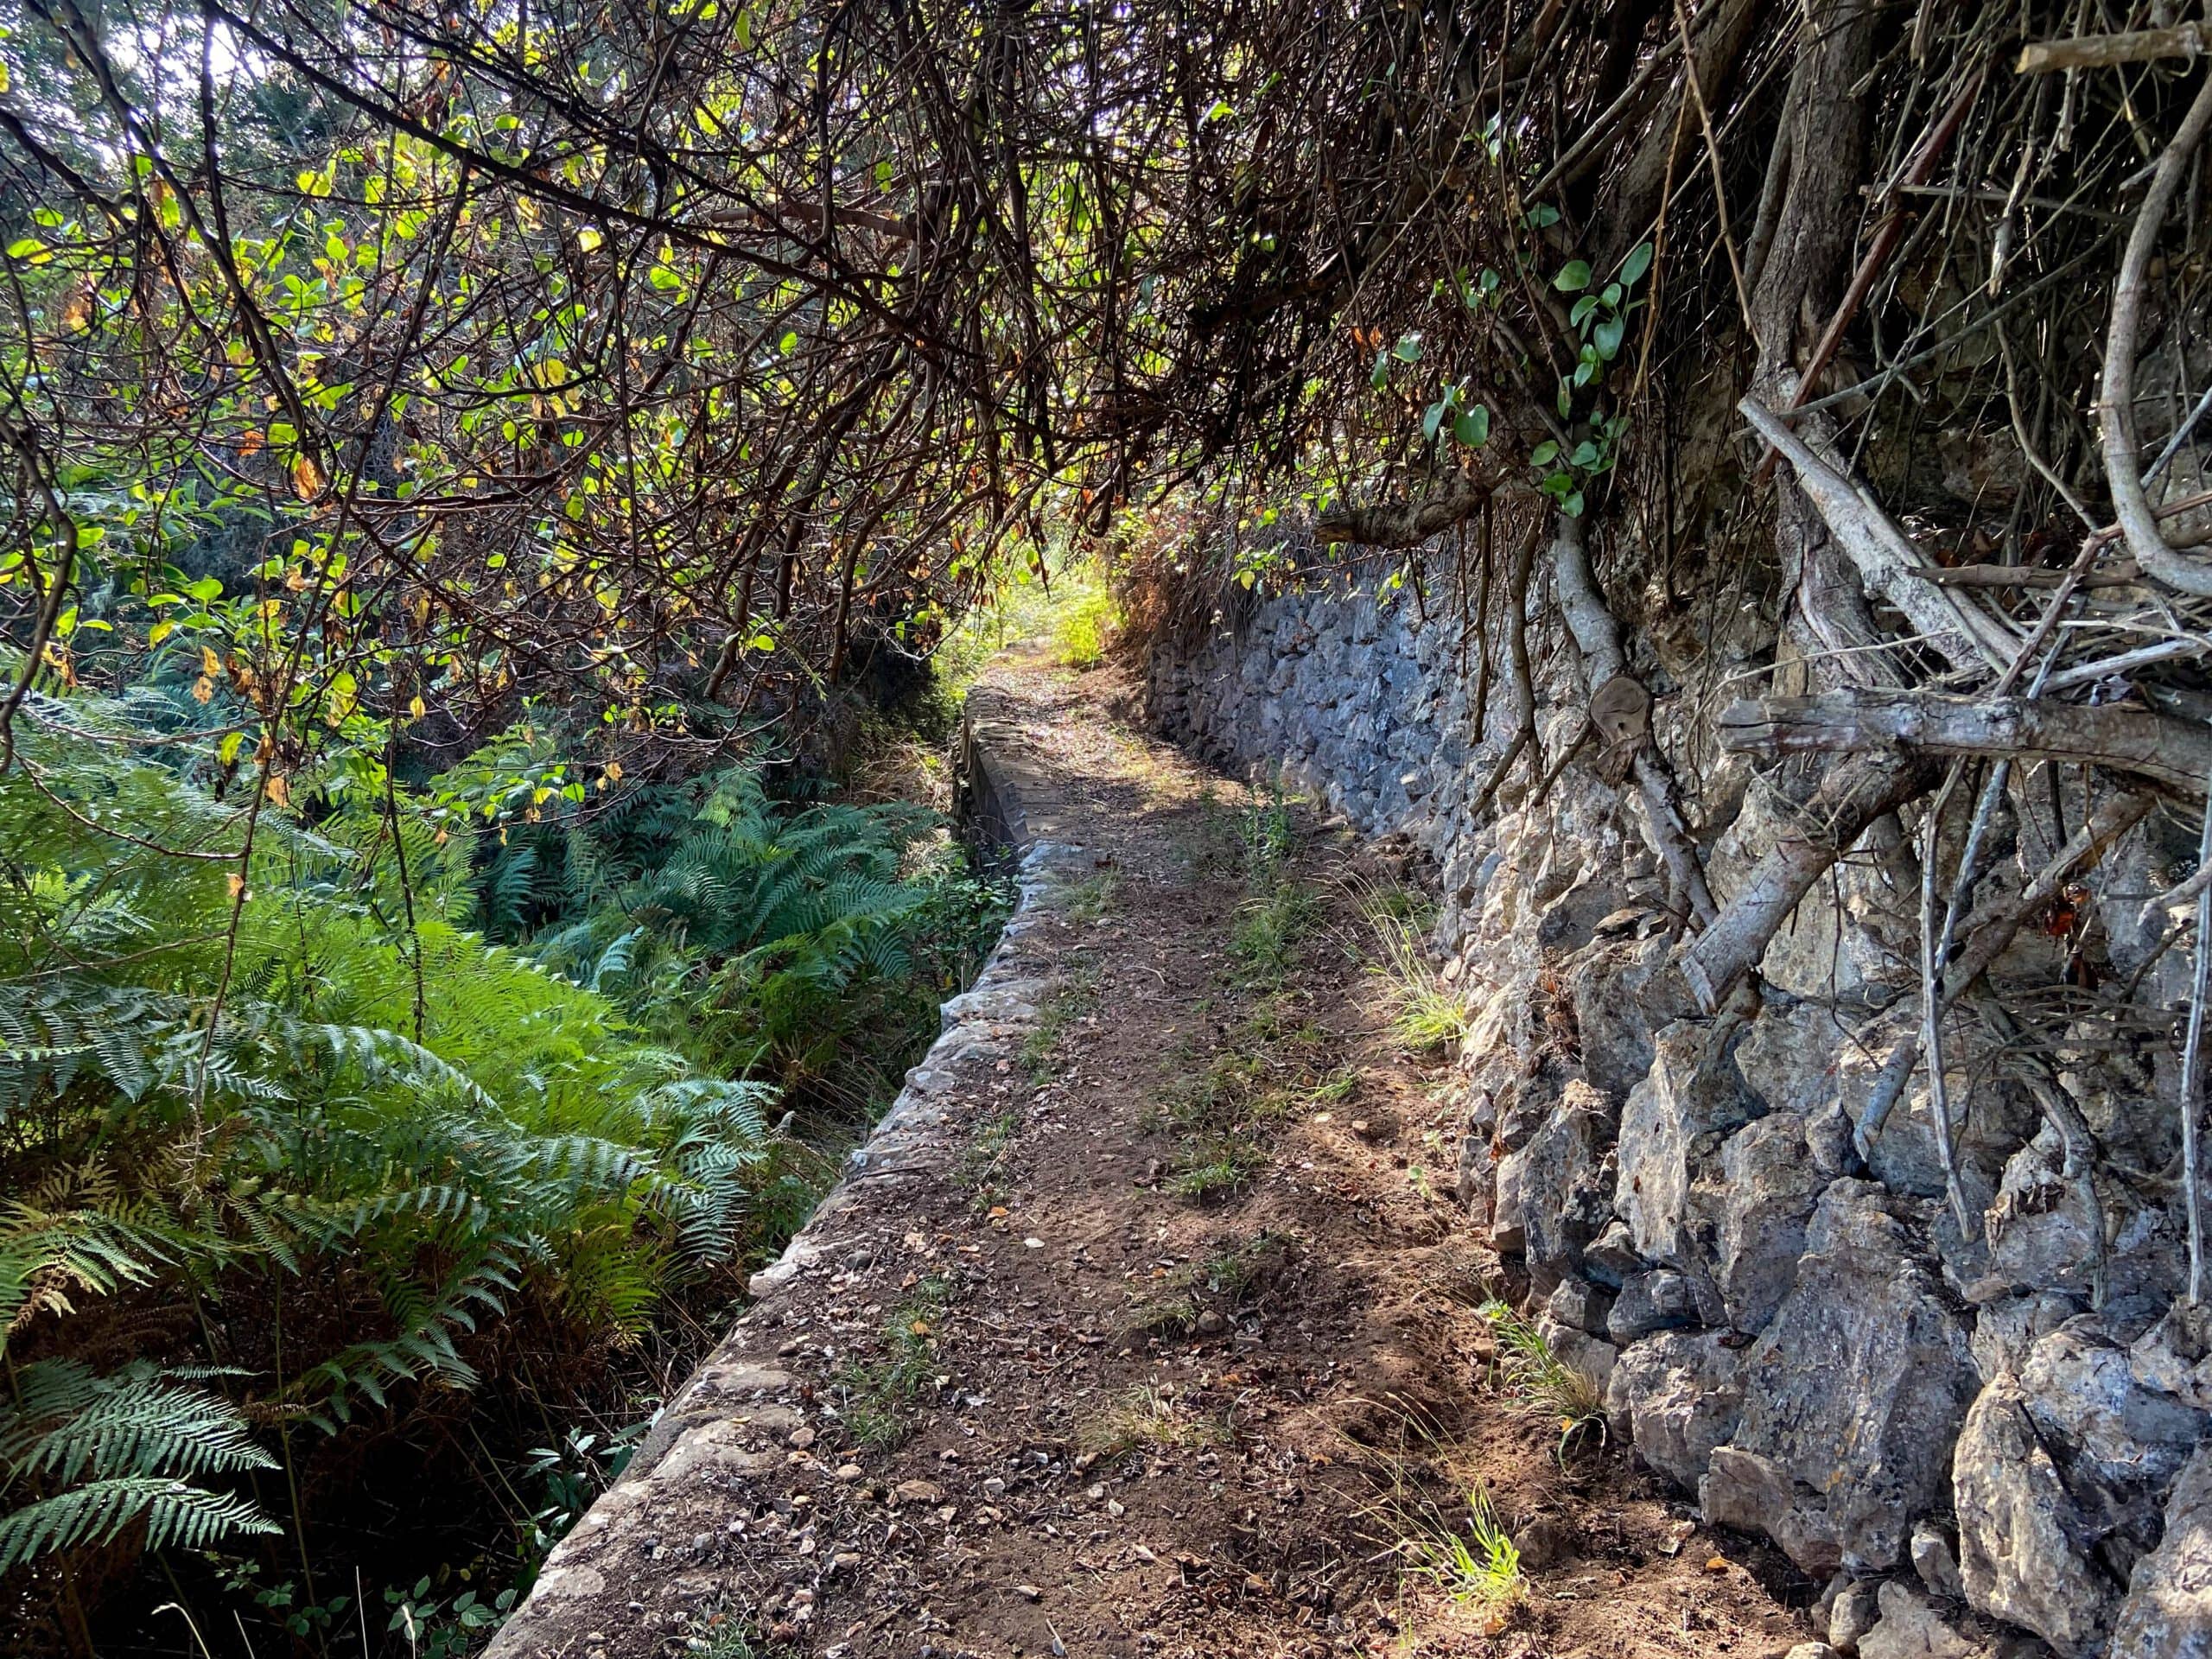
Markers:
{"x": 431, "y": 1130}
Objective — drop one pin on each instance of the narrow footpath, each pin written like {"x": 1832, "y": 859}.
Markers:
{"x": 1148, "y": 1325}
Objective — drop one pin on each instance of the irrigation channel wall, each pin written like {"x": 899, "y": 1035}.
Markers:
{"x": 642, "y": 1570}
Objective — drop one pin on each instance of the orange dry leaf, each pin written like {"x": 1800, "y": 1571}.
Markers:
{"x": 307, "y": 478}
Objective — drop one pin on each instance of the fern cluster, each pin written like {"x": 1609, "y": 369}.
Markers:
{"x": 204, "y": 1102}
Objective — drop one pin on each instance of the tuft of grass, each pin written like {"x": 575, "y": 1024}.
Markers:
{"x": 1545, "y": 1383}
{"x": 1429, "y": 1012}
{"x": 878, "y": 1398}
{"x": 1212, "y": 1166}
{"x": 722, "y": 1632}
{"x": 1479, "y": 1568}
{"x": 1089, "y": 900}
{"x": 1061, "y": 1010}
{"x": 1145, "y": 1416}
{"x": 1270, "y": 926}
{"x": 984, "y": 1162}
{"x": 1221, "y": 1279}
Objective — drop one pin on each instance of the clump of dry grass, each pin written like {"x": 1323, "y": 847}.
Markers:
{"x": 1147, "y": 1415}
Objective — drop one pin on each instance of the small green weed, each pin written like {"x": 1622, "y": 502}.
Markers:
{"x": 1061, "y": 1010}
{"x": 1271, "y": 925}
{"x": 1089, "y": 900}
{"x": 1429, "y": 1012}
{"x": 723, "y": 1632}
{"x": 1211, "y": 1165}
{"x": 1221, "y": 1279}
{"x": 1547, "y": 1383}
{"x": 984, "y": 1162}
{"x": 877, "y": 1398}
{"x": 1482, "y": 1570}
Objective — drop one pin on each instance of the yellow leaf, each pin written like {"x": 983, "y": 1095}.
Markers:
{"x": 277, "y": 790}
{"x": 202, "y": 688}
{"x": 414, "y": 706}
{"x": 210, "y": 664}
{"x": 237, "y": 884}
{"x": 1718, "y": 1564}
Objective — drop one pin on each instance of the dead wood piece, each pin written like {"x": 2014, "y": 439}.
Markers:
{"x": 2116, "y": 394}
{"x": 2108, "y": 51}
{"x": 2123, "y": 574}
{"x": 1888, "y": 560}
{"x": 1406, "y": 523}
{"x": 1990, "y": 933}
{"x": 2175, "y": 753}
{"x": 1598, "y": 637}
{"x": 1848, "y": 800}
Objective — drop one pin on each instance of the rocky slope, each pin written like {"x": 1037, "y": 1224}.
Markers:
{"x": 1971, "y": 1403}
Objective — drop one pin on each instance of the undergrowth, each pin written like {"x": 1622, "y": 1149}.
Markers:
{"x": 1545, "y": 1384}
{"x": 879, "y": 1398}
{"x": 450, "y": 1125}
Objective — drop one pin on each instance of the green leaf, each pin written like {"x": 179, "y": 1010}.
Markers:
{"x": 1583, "y": 308}
{"x": 1638, "y": 261}
{"x": 1584, "y": 453}
{"x": 1408, "y": 350}
{"x": 1544, "y": 454}
{"x": 1433, "y": 422}
{"x": 1473, "y": 428}
{"x": 1572, "y": 506}
{"x": 1573, "y": 276}
{"x": 1607, "y": 337}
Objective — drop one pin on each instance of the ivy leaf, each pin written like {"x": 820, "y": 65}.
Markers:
{"x": 1544, "y": 454}
{"x": 1607, "y": 337}
{"x": 1583, "y": 308}
{"x": 1638, "y": 261}
{"x": 1473, "y": 428}
{"x": 1573, "y": 276}
{"x": 1572, "y": 505}
{"x": 1433, "y": 422}
{"x": 1584, "y": 453}
{"x": 1408, "y": 350}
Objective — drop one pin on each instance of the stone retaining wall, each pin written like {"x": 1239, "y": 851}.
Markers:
{"x": 1961, "y": 1436}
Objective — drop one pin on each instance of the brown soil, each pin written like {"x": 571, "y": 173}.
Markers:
{"x": 1137, "y": 1422}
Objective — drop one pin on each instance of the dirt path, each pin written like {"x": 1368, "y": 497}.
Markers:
{"x": 1183, "y": 1355}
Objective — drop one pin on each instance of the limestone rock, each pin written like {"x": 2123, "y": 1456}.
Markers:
{"x": 1768, "y": 1184}
{"x": 1676, "y": 1120}
{"x": 1578, "y": 1303}
{"x": 1937, "y": 1563}
{"x": 1659, "y": 1300}
{"x": 2024, "y": 1543}
{"x": 1675, "y": 1396}
{"x": 1852, "y": 1398}
{"x": 1553, "y": 1194}
{"x": 1611, "y": 1257}
{"x": 2167, "y": 1610}
{"x": 1853, "y": 1613}
{"x": 1911, "y": 1628}
{"x": 2119, "y": 1443}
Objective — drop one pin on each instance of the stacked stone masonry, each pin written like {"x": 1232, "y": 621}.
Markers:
{"x": 1986, "y": 1443}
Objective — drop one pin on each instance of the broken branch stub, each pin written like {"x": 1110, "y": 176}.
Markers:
{"x": 2176, "y": 754}
{"x": 1848, "y": 800}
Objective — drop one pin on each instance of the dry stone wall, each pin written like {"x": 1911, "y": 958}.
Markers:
{"x": 1982, "y": 1439}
